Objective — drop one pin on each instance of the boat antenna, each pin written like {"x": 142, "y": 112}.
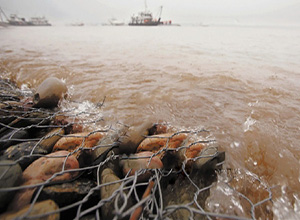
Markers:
{"x": 146, "y": 8}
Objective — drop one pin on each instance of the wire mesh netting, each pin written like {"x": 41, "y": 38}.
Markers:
{"x": 70, "y": 163}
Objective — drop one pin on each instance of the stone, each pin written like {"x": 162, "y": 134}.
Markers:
{"x": 67, "y": 193}
{"x": 109, "y": 176}
{"x": 179, "y": 148}
{"x": 133, "y": 136}
{"x": 21, "y": 152}
{"x": 44, "y": 167}
{"x": 40, "y": 208}
{"x": 12, "y": 174}
{"x": 179, "y": 190}
{"x": 12, "y": 137}
{"x": 50, "y": 139}
{"x": 158, "y": 129}
{"x": 208, "y": 159}
{"x": 88, "y": 217}
{"x": 72, "y": 125}
{"x": 156, "y": 143}
{"x": 107, "y": 191}
{"x": 49, "y": 93}
{"x": 140, "y": 161}
{"x": 73, "y": 141}
{"x": 40, "y": 171}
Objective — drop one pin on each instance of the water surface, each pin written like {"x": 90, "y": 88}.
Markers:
{"x": 241, "y": 83}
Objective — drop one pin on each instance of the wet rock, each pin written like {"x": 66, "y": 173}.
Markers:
{"x": 105, "y": 154}
{"x": 132, "y": 137}
{"x": 179, "y": 190}
{"x": 109, "y": 139}
{"x": 4, "y": 119}
{"x": 26, "y": 119}
{"x": 156, "y": 143}
{"x": 23, "y": 197}
{"x": 179, "y": 149}
{"x": 40, "y": 208}
{"x": 168, "y": 148}
{"x": 109, "y": 176}
{"x": 208, "y": 159}
{"x": 22, "y": 127}
{"x": 6, "y": 107}
{"x": 49, "y": 93}
{"x": 107, "y": 191}
{"x": 45, "y": 167}
{"x": 176, "y": 159}
{"x": 193, "y": 150}
{"x": 157, "y": 129}
{"x": 22, "y": 153}
{"x": 142, "y": 160}
{"x": 68, "y": 193}
{"x": 71, "y": 125}
{"x": 12, "y": 137}
{"x": 37, "y": 118}
{"x": 76, "y": 142}
{"x": 40, "y": 171}
{"x": 9, "y": 90}
{"x": 73, "y": 141}
{"x": 10, "y": 174}
{"x": 88, "y": 217}
{"x": 50, "y": 139}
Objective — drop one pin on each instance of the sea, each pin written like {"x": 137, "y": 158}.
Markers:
{"x": 242, "y": 83}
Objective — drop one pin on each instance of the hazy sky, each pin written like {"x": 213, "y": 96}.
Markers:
{"x": 179, "y": 11}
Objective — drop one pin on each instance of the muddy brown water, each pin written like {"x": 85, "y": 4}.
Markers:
{"x": 240, "y": 83}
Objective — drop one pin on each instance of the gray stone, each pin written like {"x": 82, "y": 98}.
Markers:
{"x": 21, "y": 153}
{"x": 10, "y": 176}
{"x": 11, "y": 137}
{"x": 50, "y": 139}
{"x": 68, "y": 193}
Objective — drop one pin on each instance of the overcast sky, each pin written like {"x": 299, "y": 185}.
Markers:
{"x": 179, "y": 11}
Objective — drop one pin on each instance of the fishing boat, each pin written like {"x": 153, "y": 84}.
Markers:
{"x": 145, "y": 18}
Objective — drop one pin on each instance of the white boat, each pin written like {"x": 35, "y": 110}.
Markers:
{"x": 115, "y": 22}
{"x": 79, "y": 24}
{"x": 39, "y": 21}
{"x": 34, "y": 21}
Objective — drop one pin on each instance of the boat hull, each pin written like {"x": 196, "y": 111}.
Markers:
{"x": 145, "y": 24}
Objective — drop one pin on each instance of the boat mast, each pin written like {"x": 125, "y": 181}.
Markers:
{"x": 2, "y": 12}
{"x": 159, "y": 17}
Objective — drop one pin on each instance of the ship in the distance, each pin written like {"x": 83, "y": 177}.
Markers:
{"x": 34, "y": 21}
{"x": 145, "y": 18}
{"x": 15, "y": 20}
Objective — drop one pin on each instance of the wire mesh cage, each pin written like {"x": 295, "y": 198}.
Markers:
{"x": 70, "y": 163}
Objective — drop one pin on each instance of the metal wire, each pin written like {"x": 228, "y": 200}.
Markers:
{"x": 176, "y": 193}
